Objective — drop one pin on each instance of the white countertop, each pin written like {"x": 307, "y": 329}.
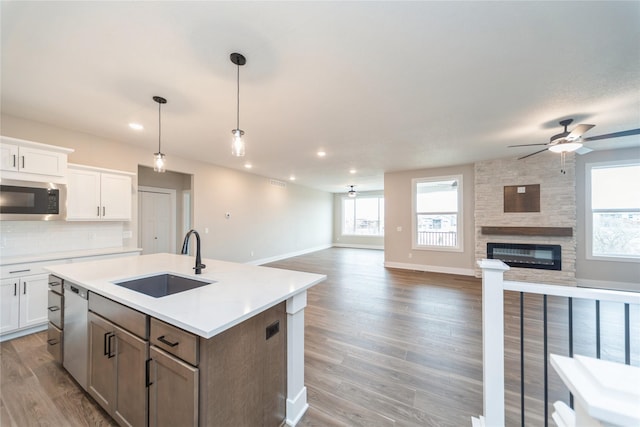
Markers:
{"x": 52, "y": 256}
{"x": 240, "y": 291}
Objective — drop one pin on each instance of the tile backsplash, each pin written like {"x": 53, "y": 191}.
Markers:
{"x": 20, "y": 238}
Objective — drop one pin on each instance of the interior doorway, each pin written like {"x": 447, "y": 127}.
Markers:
{"x": 156, "y": 220}
{"x": 164, "y": 209}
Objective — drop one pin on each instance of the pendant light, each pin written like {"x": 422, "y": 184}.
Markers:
{"x": 352, "y": 192}
{"x": 158, "y": 158}
{"x": 237, "y": 146}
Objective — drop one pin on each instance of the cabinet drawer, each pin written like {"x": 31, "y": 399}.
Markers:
{"x": 54, "y": 307}
{"x": 54, "y": 342}
{"x": 174, "y": 340}
{"x": 132, "y": 320}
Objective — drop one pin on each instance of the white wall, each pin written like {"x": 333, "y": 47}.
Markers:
{"x": 266, "y": 220}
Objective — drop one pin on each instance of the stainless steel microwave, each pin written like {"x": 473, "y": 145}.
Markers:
{"x": 32, "y": 201}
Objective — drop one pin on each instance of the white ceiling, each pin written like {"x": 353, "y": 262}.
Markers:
{"x": 380, "y": 86}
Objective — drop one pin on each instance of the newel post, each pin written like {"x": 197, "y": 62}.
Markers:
{"x": 493, "y": 341}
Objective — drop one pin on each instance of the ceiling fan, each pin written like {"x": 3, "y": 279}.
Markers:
{"x": 566, "y": 141}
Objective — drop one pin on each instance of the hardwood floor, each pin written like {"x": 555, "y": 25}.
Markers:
{"x": 383, "y": 347}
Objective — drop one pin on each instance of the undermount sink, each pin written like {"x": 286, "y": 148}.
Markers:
{"x": 162, "y": 285}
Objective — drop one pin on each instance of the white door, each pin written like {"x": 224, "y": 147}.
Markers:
{"x": 9, "y": 304}
{"x": 34, "y": 298}
{"x": 157, "y": 221}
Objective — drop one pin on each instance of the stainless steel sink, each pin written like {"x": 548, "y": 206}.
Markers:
{"x": 162, "y": 285}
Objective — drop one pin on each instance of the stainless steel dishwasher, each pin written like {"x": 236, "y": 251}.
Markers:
{"x": 76, "y": 332}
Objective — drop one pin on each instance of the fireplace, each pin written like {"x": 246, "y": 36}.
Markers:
{"x": 545, "y": 257}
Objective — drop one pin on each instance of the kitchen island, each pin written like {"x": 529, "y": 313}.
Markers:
{"x": 227, "y": 316}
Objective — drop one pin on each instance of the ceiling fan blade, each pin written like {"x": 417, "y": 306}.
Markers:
{"x": 613, "y": 135}
{"x": 532, "y": 154}
{"x": 525, "y": 145}
{"x": 578, "y": 131}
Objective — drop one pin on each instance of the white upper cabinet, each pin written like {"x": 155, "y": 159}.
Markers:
{"x": 98, "y": 194}
{"x": 32, "y": 161}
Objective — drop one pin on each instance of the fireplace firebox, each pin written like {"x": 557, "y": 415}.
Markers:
{"x": 545, "y": 257}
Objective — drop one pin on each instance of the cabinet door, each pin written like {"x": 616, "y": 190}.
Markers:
{"x": 9, "y": 305}
{"x": 9, "y": 157}
{"x": 102, "y": 361}
{"x": 83, "y": 195}
{"x": 34, "y": 297}
{"x": 42, "y": 162}
{"x": 116, "y": 197}
{"x": 130, "y": 406}
{"x": 173, "y": 392}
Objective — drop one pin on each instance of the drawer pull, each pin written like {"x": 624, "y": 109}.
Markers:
{"x": 55, "y": 283}
{"x": 169, "y": 343}
{"x": 53, "y": 308}
{"x": 20, "y": 271}
{"x": 53, "y": 341}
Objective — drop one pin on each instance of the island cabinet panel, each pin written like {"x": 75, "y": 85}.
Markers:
{"x": 117, "y": 368}
{"x": 243, "y": 372}
{"x": 173, "y": 391}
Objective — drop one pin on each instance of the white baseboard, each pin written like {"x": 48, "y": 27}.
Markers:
{"x": 287, "y": 255}
{"x": 607, "y": 284}
{"x": 349, "y": 245}
{"x": 431, "y": 268}
{"x": 23, "y": 332}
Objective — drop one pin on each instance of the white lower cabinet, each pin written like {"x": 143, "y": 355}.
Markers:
{"x": 23, "y": 302}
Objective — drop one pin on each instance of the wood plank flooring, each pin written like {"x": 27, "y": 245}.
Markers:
{"x": 383, "y": 347}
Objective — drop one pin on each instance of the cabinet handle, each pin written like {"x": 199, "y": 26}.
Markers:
{"x": 109, "y": 355}
{"x": 54, "y": 284}
{"x": 24, "y": 289}
{"x": 104, "y": 343}
{"x": 169, "y": 343}
{"x": 104, "y": 211}
{"x": 53, "y": 341}
{"x": 15, "y": 289}
{"x": 22, "y": 162}
{"x": 147, "y": 374}
{"x": 53, "y": 308}
{"x": 20, "y": 271}
{"x": 14, "y": 160}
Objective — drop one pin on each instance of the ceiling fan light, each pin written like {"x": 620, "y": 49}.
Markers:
{"x": 565, "y": 147}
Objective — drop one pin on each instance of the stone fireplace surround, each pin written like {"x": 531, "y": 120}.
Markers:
{"x": 557, "y": 211}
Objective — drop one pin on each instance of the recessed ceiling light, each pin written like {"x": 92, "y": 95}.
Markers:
{"x": 136, "y": 126}
{"x": 292, "y": 178}
{"x": 321, "y": 153}
{"x": 352, "y": 171}
{"x": 248, "y": 165}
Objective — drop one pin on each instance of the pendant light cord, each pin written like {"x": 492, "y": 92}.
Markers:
{"x": 238, "y": 99}
{"x": 159, "y": 127}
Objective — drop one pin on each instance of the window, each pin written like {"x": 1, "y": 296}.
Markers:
{"x": 613, "y": 198}
{"x": 437, "y": 207}
{"x": 363, "y": 216}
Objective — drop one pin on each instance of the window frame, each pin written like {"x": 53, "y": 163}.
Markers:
{"x": 589, "y": 210}
{"x": 459, "y": 214}
{"x": 379, "y": 197}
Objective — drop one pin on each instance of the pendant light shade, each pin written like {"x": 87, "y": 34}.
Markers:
{"x": 237, "y": 146}
{"x": 352, "y": 192}
{"x": 159, "y": 161}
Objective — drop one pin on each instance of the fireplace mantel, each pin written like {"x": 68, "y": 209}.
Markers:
{"x": 528, "y": 231}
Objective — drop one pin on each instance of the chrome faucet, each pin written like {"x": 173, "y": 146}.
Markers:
{"x": 185, "y": 250}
